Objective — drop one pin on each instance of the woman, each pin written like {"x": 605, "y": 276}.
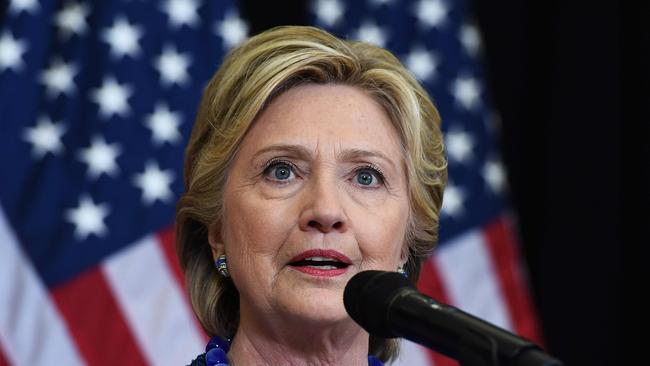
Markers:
{"x": 312, "y": 159}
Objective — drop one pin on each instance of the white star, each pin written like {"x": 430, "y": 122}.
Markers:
{"x": 88, "y": 218}
{"x": 329, "y": 12}
{"x": 459, "y": 145}
{"x": 182, "y": 12}
{"x": 58, "y": 78}
{"x": 173, "y": 66}
{"x": 45, "y": 137}
{"x": 495, "y": 176}
{"x": 470, "y": 38}
{"x": 11, "y": 52}
{"x": 123, "y": 38}
{"x": 112, "y": 98}
{"x": 431, "y": 13}
{"x": 164, "y": 125}
{"x": 453, "y": 201}
{"x": 371, "y": 33}
{"x": 467, "y": 92}
{"x": 29, "y": 6}
{"x": 72, "y": 19}
{"x": 100, "y": 157}
{"x": 232, "y": 29}
{"x": 154, "y": 184}
{"x": 423, "y": 64}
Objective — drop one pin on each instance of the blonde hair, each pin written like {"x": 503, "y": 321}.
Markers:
{"x": 251, "y": 76}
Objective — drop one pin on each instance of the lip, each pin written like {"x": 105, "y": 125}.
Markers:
{"x": 325, "y": 253}
{"x": 318, "y": 272}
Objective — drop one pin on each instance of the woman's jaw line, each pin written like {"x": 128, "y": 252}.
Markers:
{"x": 282, "y": 342}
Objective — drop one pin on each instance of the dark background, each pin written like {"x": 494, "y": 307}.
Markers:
{"x": 576, "y": 145}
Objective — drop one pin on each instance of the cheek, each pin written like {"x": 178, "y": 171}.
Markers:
{"x": 254, "y": 232}
{"x": 381, "y": 236}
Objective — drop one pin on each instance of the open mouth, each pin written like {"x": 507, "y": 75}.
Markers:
{"x": 321, "y": 262}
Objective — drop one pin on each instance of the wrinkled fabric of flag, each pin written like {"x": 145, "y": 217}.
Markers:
{"x": 97, "y": 100}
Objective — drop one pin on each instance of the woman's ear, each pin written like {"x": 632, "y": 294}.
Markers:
{"x": 214, "y": 239}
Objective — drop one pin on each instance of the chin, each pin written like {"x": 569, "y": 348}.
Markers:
{"x": 318, "y": 306}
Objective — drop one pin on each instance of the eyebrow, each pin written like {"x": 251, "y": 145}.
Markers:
{"x": 303, "y": 153}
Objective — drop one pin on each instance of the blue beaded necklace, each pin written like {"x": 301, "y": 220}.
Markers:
{"x": 217, "y": 349}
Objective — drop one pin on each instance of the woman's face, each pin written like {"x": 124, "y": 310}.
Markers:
{"x": 316, "y": 194}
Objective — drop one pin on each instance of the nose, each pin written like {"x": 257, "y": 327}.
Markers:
{"x": 322, "y": 209}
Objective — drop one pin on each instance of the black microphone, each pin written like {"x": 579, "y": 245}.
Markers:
{"x": 387, "y": 305}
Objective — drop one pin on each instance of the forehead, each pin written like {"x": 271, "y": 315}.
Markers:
{"x": 325, "y": 118}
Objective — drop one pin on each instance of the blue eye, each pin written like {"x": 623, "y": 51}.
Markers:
{"x": 282, "y": 172}
{"x": 279, "y": 170}
{"x": 365, "y": 178}
{"x": 369, "y": 176}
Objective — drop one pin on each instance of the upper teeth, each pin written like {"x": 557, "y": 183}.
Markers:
{"x": 318, "y": 259}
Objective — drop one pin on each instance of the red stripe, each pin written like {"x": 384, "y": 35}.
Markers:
{"x": 514, "y": 285}
{"x": 96, "y": 322}
{"x": 167, "y": 240}
{"x": 4, "y": 361}
{"x": 430, "y": 283}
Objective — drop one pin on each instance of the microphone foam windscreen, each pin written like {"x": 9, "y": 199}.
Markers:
{"x": 367, "y": 299}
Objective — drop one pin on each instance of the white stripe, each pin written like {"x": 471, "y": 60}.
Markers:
{"x": 470, "y": 280}
{"x": 411, "y": 354}
{"x": 32, "y": 331}
{"x": 153, "y": 304}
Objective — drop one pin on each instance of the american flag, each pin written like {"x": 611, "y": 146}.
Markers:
{"x": 97, "y": 100}
{"x": 476, "y": 266}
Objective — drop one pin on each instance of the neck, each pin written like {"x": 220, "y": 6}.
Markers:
{"x": 301, "y": 344}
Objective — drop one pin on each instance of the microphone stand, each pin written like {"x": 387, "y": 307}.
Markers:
{"x": 482, "y": 344}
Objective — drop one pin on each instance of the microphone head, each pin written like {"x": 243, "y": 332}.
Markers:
{"x": 368, "y": 296}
